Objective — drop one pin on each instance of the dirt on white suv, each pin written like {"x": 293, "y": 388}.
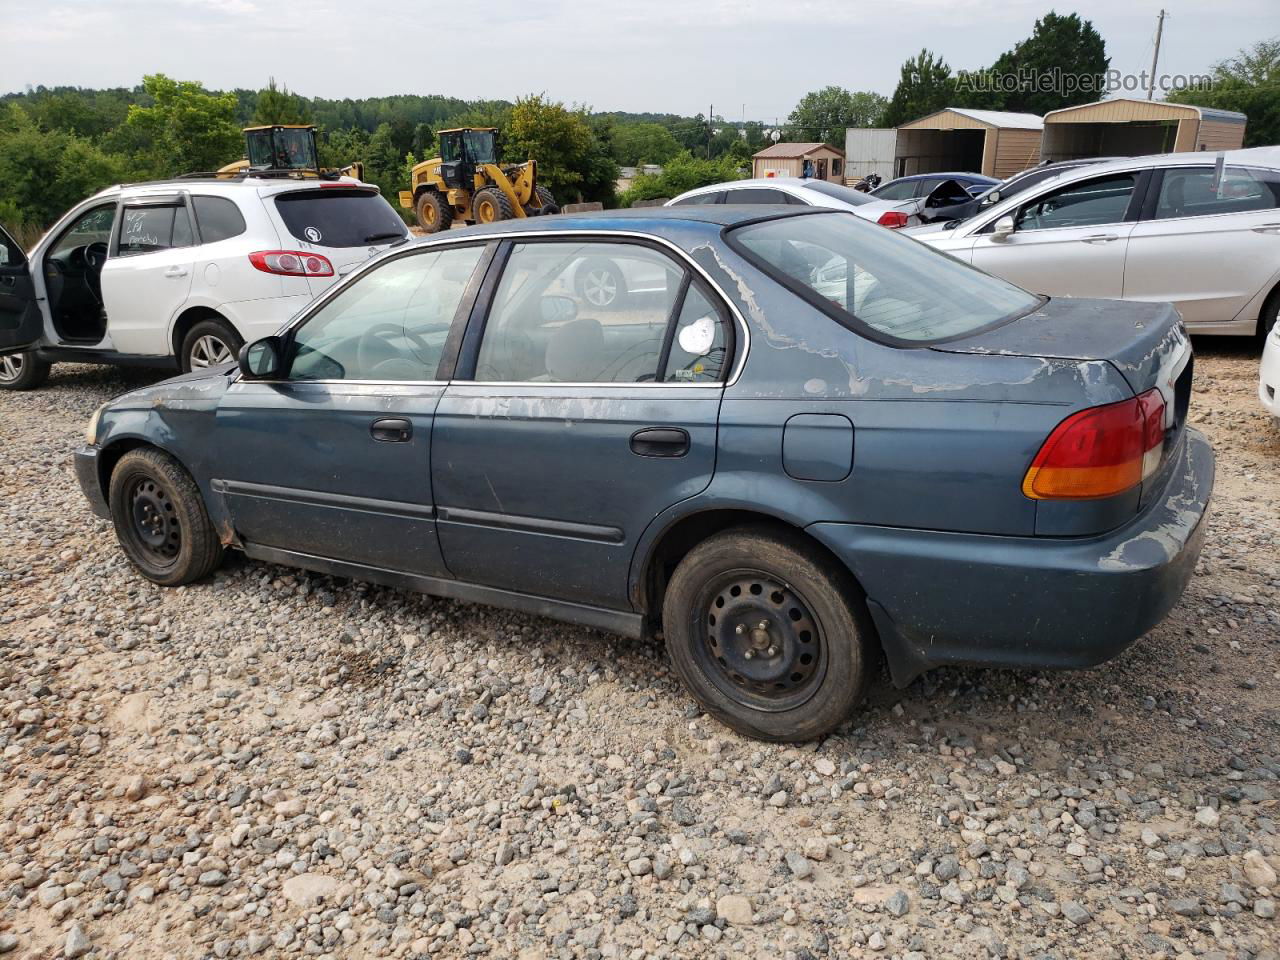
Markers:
{"x": 180, "y": 273}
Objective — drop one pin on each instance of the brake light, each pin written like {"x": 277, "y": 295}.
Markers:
{"x": 892, "y": 219}
{"x": 292, "y": 263}
{"x": 1099, "y": 452}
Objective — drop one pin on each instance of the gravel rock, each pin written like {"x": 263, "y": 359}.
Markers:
{"x": 736, "y": 909}
{"x": 77, "y": 943}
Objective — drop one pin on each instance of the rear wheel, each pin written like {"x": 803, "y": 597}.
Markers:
{"x": 160, "y": 519}
{"x": 22, "y": 371}
{"x": 600, "y": 282}
{"x": 434, "y": 212}
{"x": 491, "y": 205}
{"x": 766, "y": 636}
{"x": 209, "y": 343}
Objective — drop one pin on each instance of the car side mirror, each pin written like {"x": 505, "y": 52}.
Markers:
{"x": 992, "y": 197}
{"x": 261, "y": 359}
{"x": 556, "y": 309}
{"x": 1004, "y": 228}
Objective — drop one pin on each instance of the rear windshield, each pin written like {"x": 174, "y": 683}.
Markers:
{"x": 333, "y": 217}
{"x": 847, "y": 194}
{"x": 871, "y": 278}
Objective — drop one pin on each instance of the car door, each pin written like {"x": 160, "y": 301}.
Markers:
{"x": 1068, "y": 241}
{"x": 21, "y": 320}
{"x": 569, "y": 427}
{"x": 147, "y": 276}
{"x": 1207, "y": 244}
{"x": 333, "y": 458}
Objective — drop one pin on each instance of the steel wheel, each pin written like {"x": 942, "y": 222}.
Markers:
{"x": 11, "y": 368}
{"x": 762, "y": 645}
{"x": 209, "y": 351}
{"x": 153, "y": 522}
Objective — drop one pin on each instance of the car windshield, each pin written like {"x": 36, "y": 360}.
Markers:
{"x": 335, "y": 217}
{"x": 480, "y": 146}
{"x": 871, "y": 278}
{"x": 845, "y": 194}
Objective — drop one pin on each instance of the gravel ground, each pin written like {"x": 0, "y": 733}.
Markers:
{"x": 277, "y": 764}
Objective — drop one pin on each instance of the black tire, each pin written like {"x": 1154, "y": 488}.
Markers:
{"x": 600, "y": 283}
{"x": 433, "y": 211}
{"x": 805, "y": 624}
{"x": 1270, "y": 312}
{"x": 160, "y": 519}
{"x": 546, "y": 201}
{"x": 491, "y": 205}
{"x": 23, "y": 371}
{"x": 209, "y": 343}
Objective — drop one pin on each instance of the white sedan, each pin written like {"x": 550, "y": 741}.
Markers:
{"x": 807, "y": 193}
{"x": 1199, "y": 230}
{"x": 1269, "y": 378}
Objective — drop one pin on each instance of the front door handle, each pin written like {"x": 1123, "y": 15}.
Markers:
{"x": 391, "y": 430}
{"x": 660, "y": 442}
{"x": 1267, "y": 228}
{"x": 1100, "y": 238}
{"x": 176, "y": 272}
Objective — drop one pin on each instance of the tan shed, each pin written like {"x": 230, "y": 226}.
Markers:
{"x": 992, "y": 142}
{"x": 1133, "y": 128}
{"x": 788, "y": 160}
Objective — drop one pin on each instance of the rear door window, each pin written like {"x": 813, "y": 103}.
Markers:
{"x": 334, "y": 217}
{"x": 700, "y": 199}
{"x": 152, "y": 228}
{"x": 1197, "y": 192}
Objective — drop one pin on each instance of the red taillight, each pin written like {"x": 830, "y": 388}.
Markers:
{"x": 892, "y": 219}
{"x": 292, "y": 263}
{"x": 1099, "y": 452}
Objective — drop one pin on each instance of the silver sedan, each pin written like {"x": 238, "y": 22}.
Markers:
{"x": 1199, "y": 230}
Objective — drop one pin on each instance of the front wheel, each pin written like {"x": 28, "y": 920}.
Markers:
{"x": 766, "y": 636}
{"x": 601, "y": 283}
{"x": 491, "y": 205}
{"x": 22, "y": 371}
{"x": 433, "y": 211}
{"x": 160, "y": 519}
{"x": 208, "y": 344}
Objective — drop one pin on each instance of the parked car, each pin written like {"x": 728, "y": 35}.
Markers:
{"x": 1158, "y": 228}
{"x": 787, "y": 476}
{"x": 805, "y": 193}
{"x": 1269, "y": 375}
{"x": 920, "y": 185}
{"x": 1015, "y": 185}
{"x": 180, "y": 273}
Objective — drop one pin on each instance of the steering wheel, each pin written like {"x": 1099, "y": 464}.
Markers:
{"x": 373, "y": 351}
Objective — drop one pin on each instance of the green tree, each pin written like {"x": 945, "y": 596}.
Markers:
{"x": 1066, "y": 56}
{"x": 682, "y": 172}
{"x": 185, "y": 129}
{"x": 562, "y": 142}
{"x": 1249, "y": 83}
{"x": 924, "y": 87}
{"x": 637, "y": 143}
{"x": 277, "y": 105}
{"x": 823, "y": 115}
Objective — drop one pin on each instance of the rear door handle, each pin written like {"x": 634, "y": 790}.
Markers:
{"x": 175, "y": 272}
{"x": 1100, "y": 238}
{"x": 660, "y": 442}
{"x": 391, "y": 430}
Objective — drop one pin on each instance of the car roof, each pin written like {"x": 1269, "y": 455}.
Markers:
{"x": 952, "y": 174}
{"x": 641, "y": 219}
{"x": 233, "y": 186}
{"x": 792, "y": 182}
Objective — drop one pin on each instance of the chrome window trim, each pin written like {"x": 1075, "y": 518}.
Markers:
{"x": 739, "y": 362}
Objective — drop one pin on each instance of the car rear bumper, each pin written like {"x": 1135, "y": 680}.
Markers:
{"x": 1269, "y": 375}
{"x": 1031, "y": 602}
{"x": 90, "y": 478}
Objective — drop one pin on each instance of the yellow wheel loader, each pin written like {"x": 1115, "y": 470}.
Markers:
{"x": 284, "y": 150}
{"x": 466, "y": 183}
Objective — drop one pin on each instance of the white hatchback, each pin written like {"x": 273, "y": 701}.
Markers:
{"x": 796, "y": 191}
{"x": 181, "y": 273}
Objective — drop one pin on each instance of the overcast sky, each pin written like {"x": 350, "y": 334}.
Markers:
{"x": 673, "y": 56}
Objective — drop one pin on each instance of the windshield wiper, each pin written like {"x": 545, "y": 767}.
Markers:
{"x": 375, "y": 237}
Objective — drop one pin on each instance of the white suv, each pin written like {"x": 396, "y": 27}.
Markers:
{"x": 181, "y": 273}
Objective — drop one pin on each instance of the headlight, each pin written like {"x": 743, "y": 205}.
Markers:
{"x": 91, "y": 431}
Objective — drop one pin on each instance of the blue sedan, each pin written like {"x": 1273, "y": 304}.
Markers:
{"x": 790, "y": 440}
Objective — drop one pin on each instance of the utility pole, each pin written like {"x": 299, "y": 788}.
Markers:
{"x": 711, "y": 112}
{"x": 1155, "y": 57}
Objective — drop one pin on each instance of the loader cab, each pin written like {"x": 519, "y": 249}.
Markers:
{"x": 463, "y": 150}
{"x": 285, "y": 148}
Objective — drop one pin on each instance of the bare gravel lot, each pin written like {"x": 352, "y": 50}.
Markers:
{"x": 279, "y": 764}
